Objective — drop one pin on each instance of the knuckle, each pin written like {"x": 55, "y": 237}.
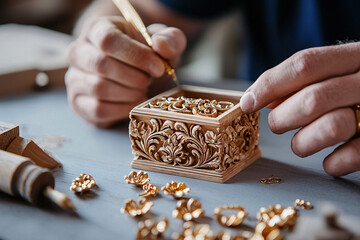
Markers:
{"x": 302, "y": 63}
{"x": 137, "y": 82}
{"x": 99, "y": 63}
{"x": 99, "y": 88}
{"x": 313, "y": 101}
{"x": 98, "y": 111}
{"x": 336, "y": 125}
{"x": 265, "y": 80}
{"x": 142, "y": 81}
{"x": 108, "y": 39}
{"x": 136, "y": 56}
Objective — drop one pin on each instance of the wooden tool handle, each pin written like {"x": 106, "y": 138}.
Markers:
{"x": 20, "y": 177}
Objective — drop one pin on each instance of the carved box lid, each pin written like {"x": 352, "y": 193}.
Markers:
{"x": 199, "y": 105}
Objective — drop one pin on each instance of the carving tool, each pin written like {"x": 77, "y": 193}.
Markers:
{"x": 130, "y": 14}
{"x": 20, "y": 177}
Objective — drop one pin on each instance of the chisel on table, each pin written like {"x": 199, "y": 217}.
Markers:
{"x": 20, "y": 177}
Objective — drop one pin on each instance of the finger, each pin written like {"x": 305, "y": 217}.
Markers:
{"x": 279, "y": 101}
{"x": 315, "y": 100}
{"x": 101, "y": 112}
{"x": 169, "y": 42}
{"x": 155, "y": 27}
{"x": 101, "y": 88}
{"x": 107, "y": 37}
{"x": 276, "y": 103}
{"x": 301, "y": 69}
{"x": 344, "y": 160}
{"x": 330, "y": 129}
{"x": 87, "y": 58}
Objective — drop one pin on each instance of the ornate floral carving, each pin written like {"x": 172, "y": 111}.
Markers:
{"x": 194, "y": 146}
{"x": 195, "y": 106}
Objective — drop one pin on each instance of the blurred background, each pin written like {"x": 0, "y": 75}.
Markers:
{"x": 58, "y": 15}
{"x": 34, "y": 35}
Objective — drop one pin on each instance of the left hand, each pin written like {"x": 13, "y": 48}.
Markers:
{"x": 314, "y": 90}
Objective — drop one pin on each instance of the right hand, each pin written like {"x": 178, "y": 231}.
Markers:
{"x": 111, "y": 67}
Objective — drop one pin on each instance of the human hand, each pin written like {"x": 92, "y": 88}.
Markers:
{"x": 314, "y": 90}
{"x": 111, "y": 67}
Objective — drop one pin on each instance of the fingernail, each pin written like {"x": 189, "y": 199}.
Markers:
{"x": 247, "y": 102}
{"x": 156, "y": 69}
{"x": 169, "y": 41}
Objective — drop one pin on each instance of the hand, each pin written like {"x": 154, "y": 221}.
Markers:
{"x": 313, "y": 90}
{"x": 111, "y": 67}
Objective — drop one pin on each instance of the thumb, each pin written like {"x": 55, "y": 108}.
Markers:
{"x": 169, "y": 42}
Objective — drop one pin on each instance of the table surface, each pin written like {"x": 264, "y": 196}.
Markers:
{"x": 106, "y": 155}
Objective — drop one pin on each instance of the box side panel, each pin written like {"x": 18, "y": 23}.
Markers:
{"x": 194, "y": 146}
{"x": 203, "y": 174}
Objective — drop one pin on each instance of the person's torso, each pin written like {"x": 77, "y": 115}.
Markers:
{"x": 278, "y": 28}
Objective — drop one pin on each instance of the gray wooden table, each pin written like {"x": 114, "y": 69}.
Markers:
{"x": 106, "y": 154}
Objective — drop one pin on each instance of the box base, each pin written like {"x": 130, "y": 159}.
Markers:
{"x": 203, "y": 174}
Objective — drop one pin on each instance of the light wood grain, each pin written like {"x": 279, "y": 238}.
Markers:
{"x": 19, "y": 177}
{"x": 8, "y": 132}
{"x": 28, "y": 148}
{"x": 208, "y": 148}
{"x": 10, "y": 165}
{"x": 202, "y": 174}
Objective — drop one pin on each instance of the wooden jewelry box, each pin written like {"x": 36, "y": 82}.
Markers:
{"x": 194, "y": 132}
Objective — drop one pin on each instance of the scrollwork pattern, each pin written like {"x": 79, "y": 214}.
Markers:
{"x": 194, "y": 146}
{"x": 195, "y": 106}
